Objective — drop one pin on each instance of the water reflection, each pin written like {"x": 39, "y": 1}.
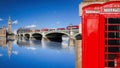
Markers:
{"x": 22, "y": 42}
{"x": 35, "y": 43}
{"x": 6, "y": 44}
{"x": 43, "y": 44}
{"x": 9, "y": 48}
{"x": 21, "y": 53}
{"x": 3, "y": 42}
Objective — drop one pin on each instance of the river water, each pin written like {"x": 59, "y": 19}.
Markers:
{"x": 23, "y": 53}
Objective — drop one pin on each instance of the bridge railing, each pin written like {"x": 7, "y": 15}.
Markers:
{"x": 51, "y": 31}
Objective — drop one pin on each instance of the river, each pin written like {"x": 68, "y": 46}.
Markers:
{"x": 21, "y": 53}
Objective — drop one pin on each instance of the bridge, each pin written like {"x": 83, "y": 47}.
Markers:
{"x": 52, "y": 35}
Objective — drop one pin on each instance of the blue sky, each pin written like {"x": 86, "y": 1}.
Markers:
{"x": 39, "y": 13}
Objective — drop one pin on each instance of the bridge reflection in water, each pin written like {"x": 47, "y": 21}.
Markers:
{"x": 33, "y": 44}
{"x": 21, "y": 42}
{"x": 44, "y": 43}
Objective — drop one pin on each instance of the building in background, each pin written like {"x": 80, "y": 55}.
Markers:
{"x": 3, "y": 31}
{"x": 9, "y": 26}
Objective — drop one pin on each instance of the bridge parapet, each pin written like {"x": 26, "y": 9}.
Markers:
{"x": 71, "y": 33}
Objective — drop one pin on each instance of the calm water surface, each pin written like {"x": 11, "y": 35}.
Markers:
{"x": 36, "y": 54}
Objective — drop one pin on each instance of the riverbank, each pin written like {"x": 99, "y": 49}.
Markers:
{"x": 79, "y": 54}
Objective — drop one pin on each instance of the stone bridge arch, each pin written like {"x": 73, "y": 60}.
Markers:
{"x": 77, "y": 36}
{"x": 55, "y": 36}
{"x": 37, "y": 36}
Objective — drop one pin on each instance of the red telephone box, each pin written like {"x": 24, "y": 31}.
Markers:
{"x": 101, "y": 35}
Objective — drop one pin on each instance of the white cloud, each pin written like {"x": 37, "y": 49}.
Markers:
{"x": 15, "y": 22}
{"x": 30, "y": 26}
{"x": 1, "y": 19}
{"x": 31, "y": 48}
{"x": 1, "y": 55}
{"x": 15, "y": 52}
